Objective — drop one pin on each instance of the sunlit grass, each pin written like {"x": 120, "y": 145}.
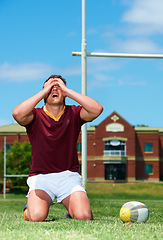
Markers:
{"x": 131, "y": 190}
{"x": 105, "y": 203}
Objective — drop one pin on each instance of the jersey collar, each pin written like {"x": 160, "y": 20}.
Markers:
{"x": 51, "y": 115}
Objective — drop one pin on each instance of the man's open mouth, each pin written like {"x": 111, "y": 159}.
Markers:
{"x": 55, "y": 95}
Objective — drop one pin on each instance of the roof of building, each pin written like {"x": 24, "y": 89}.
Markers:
{"x": 149, "y": 129}
{"x": 12, "y": 128}
{"x": 16, "y": 128}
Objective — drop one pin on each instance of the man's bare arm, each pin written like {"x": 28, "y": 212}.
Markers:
{"x": 22, "y": 113}
{"x": 91, "y": 109}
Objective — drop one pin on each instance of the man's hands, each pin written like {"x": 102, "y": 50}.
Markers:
{"x": 55, "y": 82}
{"x": 23, "y": 114}
{"x": 90, "y": 108}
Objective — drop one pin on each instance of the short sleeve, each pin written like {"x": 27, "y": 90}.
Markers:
{"x": 29, "y": 126}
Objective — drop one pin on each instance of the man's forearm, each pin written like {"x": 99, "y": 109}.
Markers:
{"x": 92, "y": 107}
{"x": 22, "y": 113}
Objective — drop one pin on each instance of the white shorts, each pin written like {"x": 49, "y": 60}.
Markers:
{"x": 59, "y": 185}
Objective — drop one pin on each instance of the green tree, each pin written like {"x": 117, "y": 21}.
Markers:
{"x": 18, "y": 161}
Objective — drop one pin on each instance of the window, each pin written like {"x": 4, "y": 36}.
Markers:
{"x": 115, "y": 172}
{"x": 148, "y": 147}
{"x": 79, "y": 147}
{"x": 115, "y": 148}
{"x": 148, "y": 168}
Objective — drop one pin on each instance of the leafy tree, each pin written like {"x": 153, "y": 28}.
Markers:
{"x": 141, "y": 125}
{"x": 18, "y": 161}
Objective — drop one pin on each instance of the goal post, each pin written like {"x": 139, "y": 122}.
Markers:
{"x": 119, "y": 55}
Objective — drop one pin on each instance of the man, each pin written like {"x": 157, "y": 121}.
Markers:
{"x": 53, "y": 132}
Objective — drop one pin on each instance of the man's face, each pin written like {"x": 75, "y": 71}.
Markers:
{"x": 55, "y": 96}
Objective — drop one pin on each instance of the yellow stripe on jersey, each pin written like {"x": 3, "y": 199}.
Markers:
{"x": 51, "y": 115}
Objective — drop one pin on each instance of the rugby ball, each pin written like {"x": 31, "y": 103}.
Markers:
{"x": 135, "y": 212}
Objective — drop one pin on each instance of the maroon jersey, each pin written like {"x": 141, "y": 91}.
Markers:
{"x": 54, "y": 142}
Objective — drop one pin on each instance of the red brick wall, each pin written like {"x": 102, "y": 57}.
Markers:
{"x": 11, "y": 138}
{"x": 140, "y": 170}
{"x": 91, "y": 145}
{"x": 161, "y": 170}
{"x": 131, "y": 169}
{"x": 161, "y": 146}
{"x": 142, "y": 138}
{"x": 96, "y": 169}
{"x": 129, "y": 133}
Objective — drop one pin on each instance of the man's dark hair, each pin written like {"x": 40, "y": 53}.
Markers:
{"x": 55, "y": 76}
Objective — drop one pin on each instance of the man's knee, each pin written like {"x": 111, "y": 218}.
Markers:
{"x": 38, "y": 216}
{"x": 38, "y": 205}
{"x": 85, "y": 215}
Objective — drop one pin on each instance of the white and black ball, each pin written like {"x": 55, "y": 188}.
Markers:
{"x": 135, "y": 212}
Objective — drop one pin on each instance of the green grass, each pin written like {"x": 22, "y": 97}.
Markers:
{"x": 106, "y": 201}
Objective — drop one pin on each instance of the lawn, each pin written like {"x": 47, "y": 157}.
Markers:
{"x": 106, "y": 201}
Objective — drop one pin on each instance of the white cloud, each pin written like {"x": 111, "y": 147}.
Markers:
{"x": 92, "y": 31}
{"x": 99, "y": 71}
{"x": 146, "y": 15}
{"x": 137, "y": 45}
{"x": 33, "y": 71}
{"x": 99, "y": 80}
{"x": 131, "y": 82}
{"x": 24, "y": 72}
{"x": 98, "y": 64}
{"x": 70, "y": 70}
{"x": 4, "y": 122}
{"x": 71, "y": 34}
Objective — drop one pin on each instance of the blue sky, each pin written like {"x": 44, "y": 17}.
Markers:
{"x": 38, "y": 38}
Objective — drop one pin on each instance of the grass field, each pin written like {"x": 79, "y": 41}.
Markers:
{"x": 106, "y": 201}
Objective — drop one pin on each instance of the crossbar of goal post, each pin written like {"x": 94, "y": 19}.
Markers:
{"x": 119, "y": 55}
{"x": 84, "y": 56}
{"x": 7, "y": 175}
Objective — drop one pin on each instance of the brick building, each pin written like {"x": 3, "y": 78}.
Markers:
{"x": 116, "y": 150}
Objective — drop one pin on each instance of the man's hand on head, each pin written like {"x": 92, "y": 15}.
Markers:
{"x": 61, "y": 86}
{"x": 48, "y": 87}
